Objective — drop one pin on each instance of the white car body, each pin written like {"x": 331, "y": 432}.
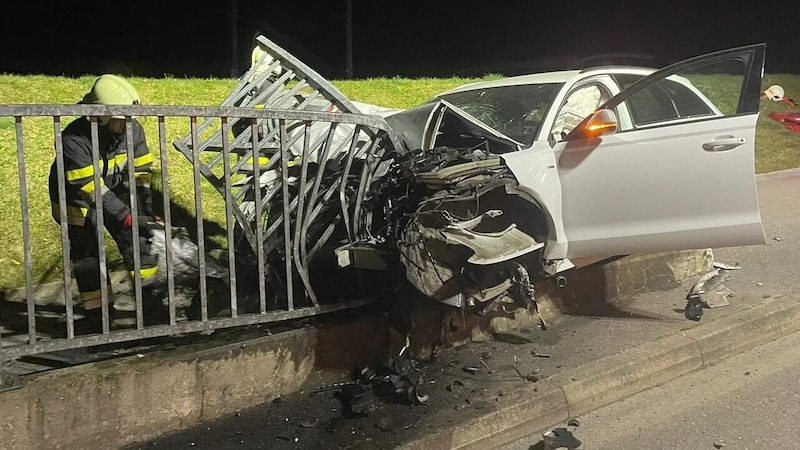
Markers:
{"x": 646, "y": 187}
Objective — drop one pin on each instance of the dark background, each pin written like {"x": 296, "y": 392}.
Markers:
{"x": 403, "y": 38}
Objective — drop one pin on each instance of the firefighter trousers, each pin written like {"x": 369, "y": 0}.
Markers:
{"x": 85, "y": 256}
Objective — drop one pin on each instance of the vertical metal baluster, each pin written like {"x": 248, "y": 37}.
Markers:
{"x": 62, "y": 215}
{"x": 230, "y": 222}
{"x": 137, "y": 260}
{"x": 26, "y": 232}
{"x": 259, "y": 227}
{"x": 162, "y": 144}
{"x": 343, "y": 200}
{"x": 100, "y": 236}
{"x": 198, "y": 207}
{"x": 300, "y": 209}
{"x": 287, "y": 231}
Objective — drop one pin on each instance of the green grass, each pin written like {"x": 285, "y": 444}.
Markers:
{"x": 776, "y": 149}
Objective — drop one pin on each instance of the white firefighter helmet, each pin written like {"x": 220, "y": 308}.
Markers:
{"x": 775, "y": 93}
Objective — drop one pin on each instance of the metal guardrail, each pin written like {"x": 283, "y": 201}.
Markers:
{"x": 314, "y": 181}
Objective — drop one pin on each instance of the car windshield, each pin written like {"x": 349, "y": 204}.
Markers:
{"x": 516, "y": 111}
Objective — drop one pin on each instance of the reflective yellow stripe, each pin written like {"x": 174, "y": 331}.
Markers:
{"x": 89, "y": 187}
{"x": 146, "y": 273}
{"x": 121, "y": 159}
{"x": 142, "y": 160}
{"x": 77, "y": 174}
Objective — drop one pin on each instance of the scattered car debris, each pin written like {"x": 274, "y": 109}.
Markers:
{"x": 698, "y": 286}
{"x": 399, "y": 383}
{"x": 703, "y": 295}
{"x": 719, "y": 444}
{"x": 693, "y": 309}
{"x": 560, "y": 438}
{"x": 720, "y": 265}
{"x": 540, "y": 355}
{"x": 713, "y": 300}
{"x": 471, "y": 370}
{"x": 311, "y": 423}
{"x": 452, "y": 385}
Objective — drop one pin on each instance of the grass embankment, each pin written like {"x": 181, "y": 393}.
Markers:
{"x": 776, "y": 149}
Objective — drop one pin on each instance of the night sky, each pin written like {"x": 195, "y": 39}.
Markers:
{"x": 404, "y": 38}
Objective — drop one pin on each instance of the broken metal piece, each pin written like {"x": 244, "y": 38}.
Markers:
{"x": 698, "y": 286}
{"x": 715, "y": 298}
{"x": 472, "y": 370}
{"x": 724, "y": 266}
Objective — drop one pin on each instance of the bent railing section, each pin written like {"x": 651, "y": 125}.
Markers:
{"x": 292, "y": 185}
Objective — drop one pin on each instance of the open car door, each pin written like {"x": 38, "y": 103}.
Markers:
{"x": 678, "y": 170}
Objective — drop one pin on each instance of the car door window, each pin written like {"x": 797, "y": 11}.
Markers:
{"x": 702, "y": 93}
{"x": 579, "y": 103}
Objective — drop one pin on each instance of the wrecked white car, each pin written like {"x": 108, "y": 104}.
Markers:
{"x": 490, "y": 185}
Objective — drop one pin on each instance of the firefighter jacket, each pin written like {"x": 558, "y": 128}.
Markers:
{"x": 113, "y": 166}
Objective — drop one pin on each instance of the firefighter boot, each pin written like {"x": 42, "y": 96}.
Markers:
{"x": 85, "y": 322}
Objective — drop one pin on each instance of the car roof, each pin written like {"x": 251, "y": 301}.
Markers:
{"x": 562, "y": 76}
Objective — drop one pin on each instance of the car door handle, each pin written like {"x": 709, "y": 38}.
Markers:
{"x": 722, "y": 144}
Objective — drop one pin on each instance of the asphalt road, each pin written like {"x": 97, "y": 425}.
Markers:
{"x": 749, "y": 401}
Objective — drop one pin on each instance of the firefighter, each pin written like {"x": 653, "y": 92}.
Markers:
{"x": 80, "y": 187}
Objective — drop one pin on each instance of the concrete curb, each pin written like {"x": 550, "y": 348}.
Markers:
{"x": 113, "y": 403}
{"x": 607, "y": 380}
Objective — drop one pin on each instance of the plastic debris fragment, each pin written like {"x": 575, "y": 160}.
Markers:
{"x": 560, "y": 438}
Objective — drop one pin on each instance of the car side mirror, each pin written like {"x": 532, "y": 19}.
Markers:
{"x": 598, "y": 123}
